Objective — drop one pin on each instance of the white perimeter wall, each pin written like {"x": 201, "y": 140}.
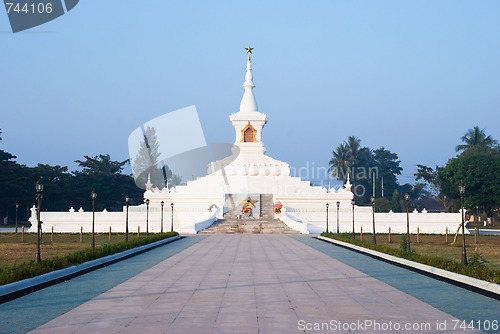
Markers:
{"x": 315, "y": 218}
{"x": 189, "y": 220}
{"x": 186, "y": 220}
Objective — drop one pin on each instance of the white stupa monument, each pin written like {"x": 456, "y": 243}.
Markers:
{"x": 248, "y": 172}
{"x": 246, "y": 179}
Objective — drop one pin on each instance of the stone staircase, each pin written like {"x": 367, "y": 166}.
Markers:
{"x": 265, "y": 224}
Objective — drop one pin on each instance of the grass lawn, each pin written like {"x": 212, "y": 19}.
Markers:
{"x": 435, "y": 245}
{"x": 14, "y": 251}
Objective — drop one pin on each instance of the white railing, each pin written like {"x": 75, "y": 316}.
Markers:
{"x": 292, "y": 223}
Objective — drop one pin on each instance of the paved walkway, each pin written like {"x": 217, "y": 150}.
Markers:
{"x": 250, "y": 284}
{"x": 26, "y": 313}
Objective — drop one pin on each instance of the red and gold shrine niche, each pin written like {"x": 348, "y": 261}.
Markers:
{"x": 248, "y": 134}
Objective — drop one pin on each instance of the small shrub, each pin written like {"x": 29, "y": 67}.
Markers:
{"x": 477, "y": 260}
{"x": 345, "y": 236}
{"x": 403, "y": 244}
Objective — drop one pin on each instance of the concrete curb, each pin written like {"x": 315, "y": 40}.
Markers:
{"x": 486, "y": 288}
{"x": 20, "y": 288}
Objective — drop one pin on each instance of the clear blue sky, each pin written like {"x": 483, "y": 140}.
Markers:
{"x": 410, "y": 76}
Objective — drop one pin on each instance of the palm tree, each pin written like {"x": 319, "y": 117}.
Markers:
{"x": 353, "y": 145}
{"x": 475, "y": 137}
{"x": 339, "y": 164}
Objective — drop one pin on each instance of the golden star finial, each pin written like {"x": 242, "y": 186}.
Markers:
{"x": 248, "y": 203}
{"x": 249, "y": 51}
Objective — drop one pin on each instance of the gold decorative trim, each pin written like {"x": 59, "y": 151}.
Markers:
{"x": 243, "y": 133}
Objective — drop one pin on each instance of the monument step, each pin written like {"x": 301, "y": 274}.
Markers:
{"x": 259, "y": 226}
{"x": 265, "y": 224}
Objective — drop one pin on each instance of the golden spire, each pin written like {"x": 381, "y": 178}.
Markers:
{"x": 249, "y": 51}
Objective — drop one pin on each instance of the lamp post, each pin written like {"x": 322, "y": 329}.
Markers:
{"x": 353, "y": 234}
{"x": 93, "y": 195}
{"x": 338, "y": 206}
{"x": 161, "y": 228}
{"x": 373, "y": 216}
{"x": 461, "y": 189}
{"x": 407, "y": 198}
{"x": 172, "y": 223}
{"x": 327, "y": 205}
{"x": 147, "y": 216}
{"x": 127, "y": 200}
{"x": 17, "y": 211}
{"x": 39, "y": 190}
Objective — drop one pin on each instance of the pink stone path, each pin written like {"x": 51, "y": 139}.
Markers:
{"x": 246, "y": 283}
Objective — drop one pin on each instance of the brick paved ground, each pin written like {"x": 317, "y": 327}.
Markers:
{"x": 247, "y": 283}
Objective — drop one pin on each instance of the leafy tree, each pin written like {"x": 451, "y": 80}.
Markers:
{"x": 63, "y": 189}
{"x": 382, "y": 205}
{"x": 364, "y": 164}
{"x": 111, "y": 190}
{"x": 479, "y": 169}
{"x": 100, "y": 164}
{"x": 474, "y": 138}
{"x": 430, "y": 176}
{"x": 387, "y": 165}
{"x": 102, "y": 175}
{"x": 419, "y": 191}
{"x": 57, "y": 187}
{"x": 396, "y": 201}
{"x": 6, "y": 156}
{"x": 363, "y": 175}
{"x": 14, "y": 182}
{"x": 360, "y": 162}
